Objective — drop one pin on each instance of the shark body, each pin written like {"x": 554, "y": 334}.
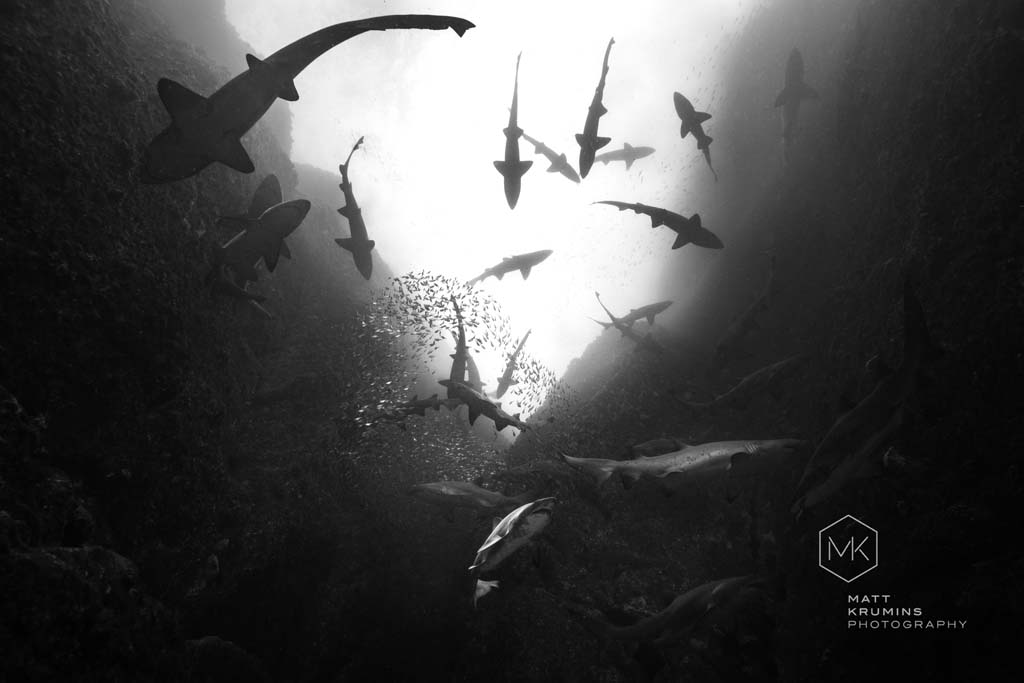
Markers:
{"x": 691, "y": 122}
{"x": 512, "y": 168}
{"x": 506, "y": 378}
{"x": 709, "y": 458}
{"x": 859, "y": 435}
{"x": 517, "y": 529}
{"x": 559, "y": 162}
{"x": 358, "y": 242}
{"x": 627, "y": 154}
{"x": 521, "y": 262}
{"x": 208, "y": 129}
{"x": 589, "y": 141}
{"x": 688, "y": 230}
{"x": 792, "y": 94}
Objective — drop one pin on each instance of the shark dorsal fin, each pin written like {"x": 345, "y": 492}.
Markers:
{"x": 178, "y": 100}
{"x": 626, "y": 146}
{"x": 287, "y": 89}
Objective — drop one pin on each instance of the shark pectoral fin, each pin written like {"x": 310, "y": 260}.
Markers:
{"x": 738, "y": 460}
{"x": 525, "y": 271}
{"x": 628, "y": 478}
{"x": 474, "y": 413}
{"x": 288, "y": 92}
{"x": 179, "y": 101}
{"x": 370, "y": 244}
{"x": 501, "y": 166}
{"x": 285, "y": 251}
{"x": 346, "y": 243}
{"x": 702, "y": 116}
{"x": 601, "y": 142}
{"x": 524, "y": 166}
{"x": 231, "y": 153}
{"x": 629, "y": 163}
{"x": 681, "y": 240}
{"x": 581, "y": 139}
{"x": 271, "y": 255}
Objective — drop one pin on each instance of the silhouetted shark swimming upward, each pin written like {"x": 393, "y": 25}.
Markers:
{"x": 208, "y": 129}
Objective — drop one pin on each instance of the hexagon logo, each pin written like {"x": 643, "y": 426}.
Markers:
{"x": 848, "y": 548}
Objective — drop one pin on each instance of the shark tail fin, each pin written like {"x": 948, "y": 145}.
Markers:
{"x": 597, "y": 468}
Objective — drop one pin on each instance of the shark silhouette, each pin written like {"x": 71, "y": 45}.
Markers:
{"x": 688, "y": 230}
{"x": 358, "y": 242}
{"x": 588, "y": 140}
{"x": 628, "y": 154}
{"x": 559, "y": 162}
{"x": 512, "y": 169}
{"x": 521, "y": 262}
{"x": 208, "y": 129}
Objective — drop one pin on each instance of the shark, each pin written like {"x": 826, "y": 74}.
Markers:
{"x": 683, "y": 615}
{"x": 559, "y": 162}
{"x": 459, "y": 358}
{"x": 692, "y": 123}
{"x": 658, "y": 446}
{"x": 473, "y": 373}
{"x": 628, "y": 154}
{"x": 511, "y": 168}
{"x": 646, "y": 343}
{"x": 793, "y": 93}
{"x": 521, "y": 262}
{"x": 464, "y": 494}
{"x": 649, "y": 312}
{"x": 358, "y": 241}
{"x": 506, "y": 378}
{"x": 420, "y": 406}
{"x": 762, "y": 379}
{"x": 223, "y": 282}
{"x": 692, "y": 461}
{"x": 263, "y": 239}
{"x": 267, "y": 194}
{"x": 481, "y": 405}
{"x": 589, "y": 141}
{"x": 516, "y": 530}
{"x": 688, "y": 230}
{"x": 204, "y": 130}
{"x": 858, "y": 435}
